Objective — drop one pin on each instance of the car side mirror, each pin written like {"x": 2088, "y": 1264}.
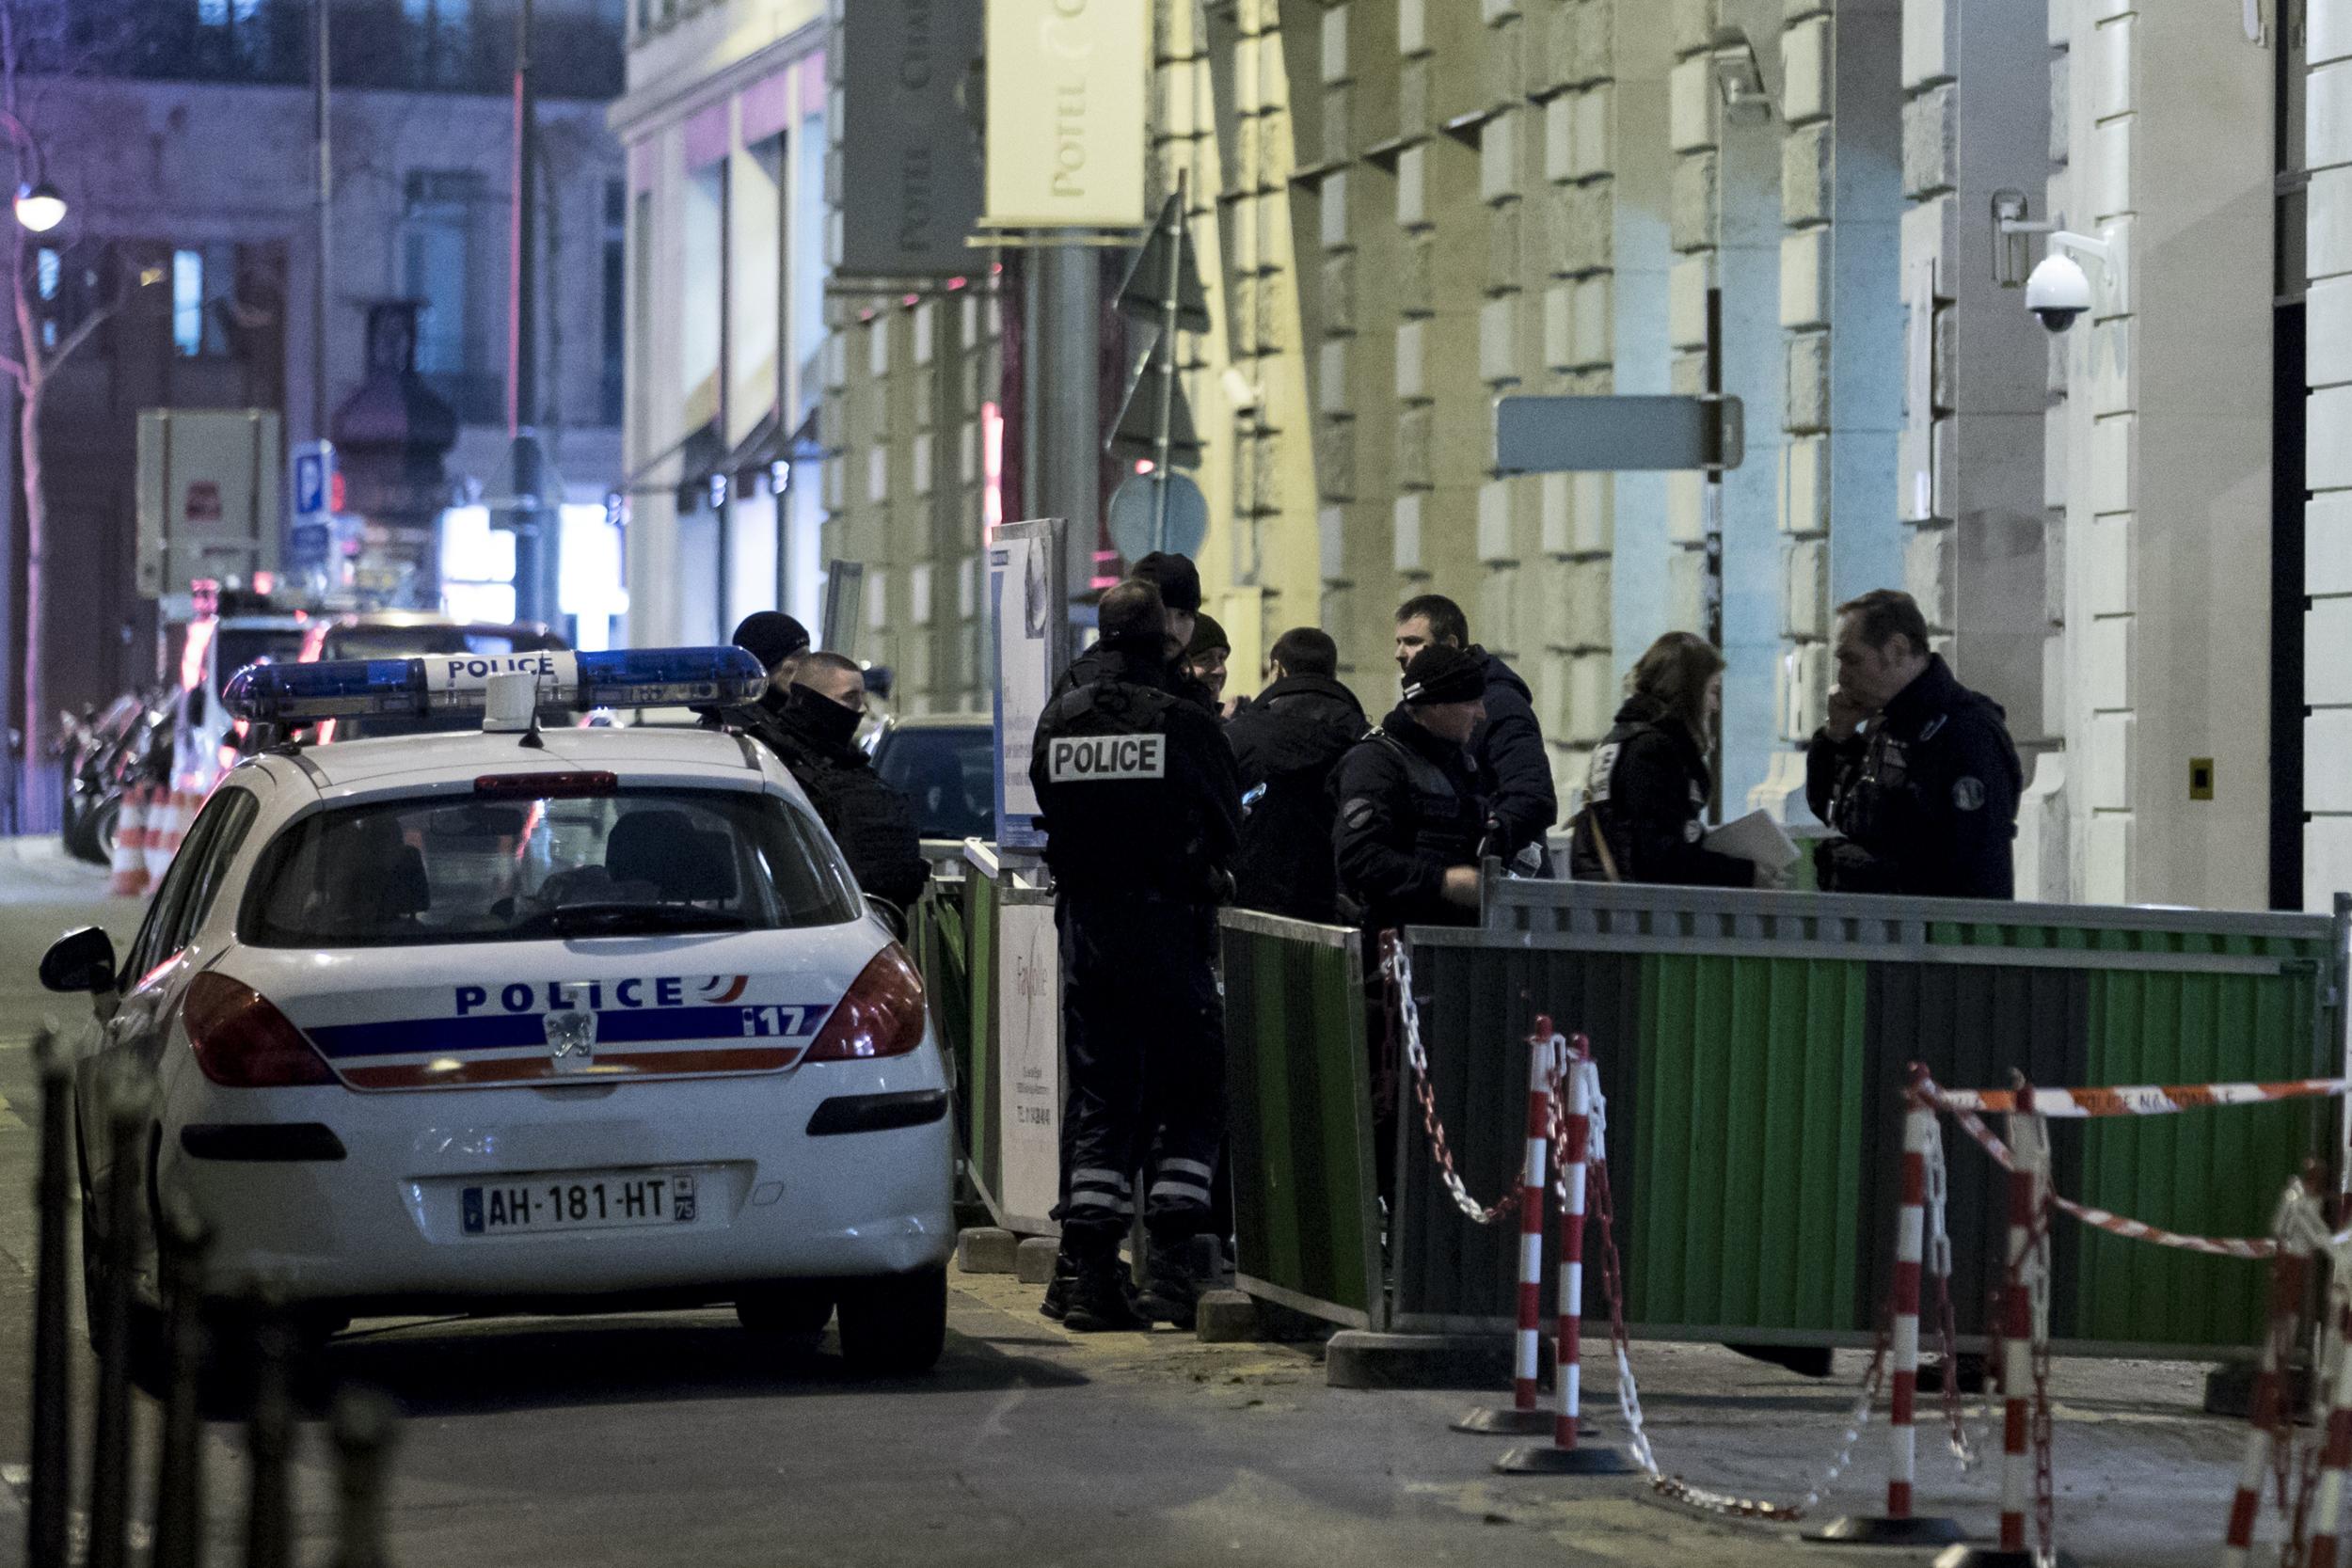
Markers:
{"x": 80, "y": 961}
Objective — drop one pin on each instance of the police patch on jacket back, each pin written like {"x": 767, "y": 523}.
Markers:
{"x": 1092, "y": 758}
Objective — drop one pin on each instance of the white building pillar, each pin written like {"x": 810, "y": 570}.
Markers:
{"x": 2328, "y": 521}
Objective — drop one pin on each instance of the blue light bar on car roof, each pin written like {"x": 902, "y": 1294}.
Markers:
{"x": 636, "y": 678}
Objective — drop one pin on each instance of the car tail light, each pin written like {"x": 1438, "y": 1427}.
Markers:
{"x": 242, "y": 1041}
{"x": 574, "y": 786}
{"x": 881, "y": 1015}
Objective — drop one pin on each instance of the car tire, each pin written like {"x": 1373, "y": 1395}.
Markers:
{"x": 896, "y": 1324}
{"x": 148, "y": 1338}
{"x": 798, "y": 1308}
{"x": 98, "y": 832}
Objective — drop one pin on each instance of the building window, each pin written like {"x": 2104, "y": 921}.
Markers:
{"x": 437, "y": 40}
{"x": 201, "y": 279}
{"x": 615, "y": 298}
{"x": 442, "y": 265}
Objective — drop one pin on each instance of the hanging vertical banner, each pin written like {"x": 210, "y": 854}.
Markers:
{"x": 1028, "y": 615}
{"x": 1066, "y": 96}
{"x": 910, "y": 146}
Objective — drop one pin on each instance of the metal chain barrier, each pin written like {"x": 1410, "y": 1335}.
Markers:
{"x": 1628, "y": 1390}
{"x": 1398, "y": 970}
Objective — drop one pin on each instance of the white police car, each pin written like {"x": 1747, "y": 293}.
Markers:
{"x": 524, "y": 1019}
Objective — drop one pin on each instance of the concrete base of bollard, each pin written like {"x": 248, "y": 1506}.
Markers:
{"x": 1880, "y": 1530}
{"x": 1993, "y": 1557}
{"x": 1547, "y": 1460}
{"x": 1360, "y": 1358}
{"x": 1033, "y": 1259}
{"x": 987, "y": 1250}
{"x": 1227, "y": 1318}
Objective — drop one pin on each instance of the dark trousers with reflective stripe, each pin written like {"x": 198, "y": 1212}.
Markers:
{"x": 1144, "y": 1029}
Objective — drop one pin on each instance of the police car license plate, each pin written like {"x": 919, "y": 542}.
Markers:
{"x": 610, "y": 1202}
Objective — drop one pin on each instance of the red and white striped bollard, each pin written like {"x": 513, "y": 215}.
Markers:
{"x": 1897, "y": 1526}
{"x": 2288, "y": 1272}
{"x": 1565, "y": 1456}
{"x": 1524, "y": 1416}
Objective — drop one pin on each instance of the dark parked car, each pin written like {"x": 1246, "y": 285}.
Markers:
{"x": 947, "y": 763}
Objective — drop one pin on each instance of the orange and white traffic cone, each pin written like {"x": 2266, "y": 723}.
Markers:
{"x": 164, "y": 826}
{"x": 128, "y": 863}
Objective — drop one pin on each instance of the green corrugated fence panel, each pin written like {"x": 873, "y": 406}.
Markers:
{"x": 988, "y": 1145}
{"x": 1299, "y": 1100}
{"x": 2207, "y": 1173}
{"x": 1747, "y": 1144}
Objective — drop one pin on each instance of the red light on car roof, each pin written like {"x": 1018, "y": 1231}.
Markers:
{"x": 573, "y": 785}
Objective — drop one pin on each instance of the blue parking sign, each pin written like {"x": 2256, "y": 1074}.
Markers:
{"x": 314, "y": 479}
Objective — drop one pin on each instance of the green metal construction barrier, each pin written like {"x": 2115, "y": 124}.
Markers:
{"x": 1299, "y": 1097}
{"x": 1753, "y": 1046}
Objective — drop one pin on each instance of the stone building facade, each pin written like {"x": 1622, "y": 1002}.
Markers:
{"x": 1412, "y": 207}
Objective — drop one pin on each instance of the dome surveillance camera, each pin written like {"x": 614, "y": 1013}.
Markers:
{"x": 2058, "y": 291}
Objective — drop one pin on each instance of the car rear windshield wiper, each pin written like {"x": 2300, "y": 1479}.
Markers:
{"x": 621, "y": 919}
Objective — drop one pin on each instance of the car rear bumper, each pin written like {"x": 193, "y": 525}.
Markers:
{"x": 386, "y": 1223}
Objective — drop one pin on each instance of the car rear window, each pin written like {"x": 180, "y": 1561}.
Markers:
{"x": 469, "y": 868}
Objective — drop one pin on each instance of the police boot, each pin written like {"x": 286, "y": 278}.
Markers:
{"x": 1175, "y": 1275}
{"x": 1097, "y": 1299}
{"x": 1057, "y": 1302}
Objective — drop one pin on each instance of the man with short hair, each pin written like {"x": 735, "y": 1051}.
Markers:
{"x": 1915, "y": 772}
{"x": 813, "y": 731}
{"x": 1288, "y": 742}
{"x": 1141, "y": 816}
{"x": 1509, "y": 744}
{"x": 1411, "y": 800}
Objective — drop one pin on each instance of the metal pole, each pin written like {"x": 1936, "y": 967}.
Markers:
{"x": 1170, "y": 302}
{"x": 365, "y": 1426}
{"x": 522, "y": 344}
{"x": 110, "y": 1444}
{"x": 50, "y": 1503}
{"x": 179, "y": 1466}
{"x": 269, "y": 1442}
{"x": 1066, "y": 356}
{"x": 1713, "y": 589}
{"x": 322, "y": 132}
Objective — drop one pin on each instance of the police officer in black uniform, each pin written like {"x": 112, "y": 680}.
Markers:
{"x": 1142, "y": 813}
{"x": 1413, "y": 801}
{"x": 1645, "y": 796}
{"x": 1914, "y": 771}
{"x": 813, "y": 731}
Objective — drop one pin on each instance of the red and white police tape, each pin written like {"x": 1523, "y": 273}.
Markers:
{"x": 2135, "y": 1100}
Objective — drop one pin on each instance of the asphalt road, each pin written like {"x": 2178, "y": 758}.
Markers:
{"x": 678, "y": 1440}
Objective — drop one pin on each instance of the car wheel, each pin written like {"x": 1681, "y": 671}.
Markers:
{"x": 147, "y": 1337}
{"x": 894, "y": 1324}
{"x": 799, "y": 1309}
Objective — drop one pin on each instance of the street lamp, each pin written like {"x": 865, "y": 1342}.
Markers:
{"x": 39, "y": 205}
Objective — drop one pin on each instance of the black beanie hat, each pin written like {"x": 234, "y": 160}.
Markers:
{"x": 1177, "y": 579}
{"x": 1207, "y": 634}
{"x": 1439, "y": 673}
{"x": 772, "y": 637}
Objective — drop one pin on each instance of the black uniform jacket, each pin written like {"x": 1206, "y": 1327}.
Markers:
{"x": 873, "y": 823}
{"x": 1088, "y": 665}
{"x": 1924, "y": 797}
{"x": 1410, "y": 806}
{"x": 1510, "y": 749}
{"x": 1286, "y": 742}
{"x": 1647, "y": 795}
{"x": 1163, "y": 822}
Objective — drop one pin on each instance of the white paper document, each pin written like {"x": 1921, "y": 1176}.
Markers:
{"x": 1755, "y": 837}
